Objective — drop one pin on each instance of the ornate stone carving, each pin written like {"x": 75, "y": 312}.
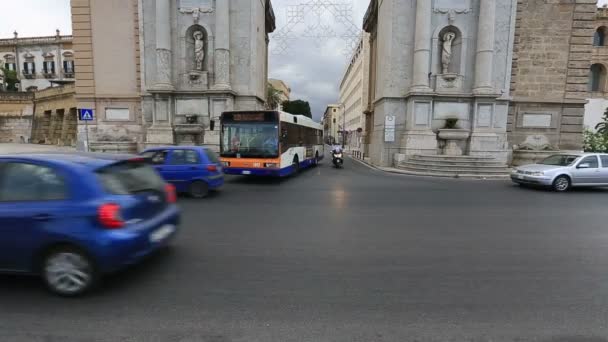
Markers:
{"x": 222, "y": 68}
{"x": 163, "y": 66}
{"x": 451, "y": 12}
{"x": 446, "y": 53}
{"x": 199, "y": 49}
{"x": 196, "y": 12}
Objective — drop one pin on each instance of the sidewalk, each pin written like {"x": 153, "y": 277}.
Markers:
{"x": 420, "y": 174}
{"x": 8, "y": 148}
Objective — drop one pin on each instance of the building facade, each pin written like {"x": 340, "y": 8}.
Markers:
{"x": 354, "y": 97}
{"x": 201, "y": 58}
{"x": 476, "y": 77}
{"x": 39, "y": 61}
{"x": 550, "y": 77}
{"x": 160, "y": 72}
{"x": 284, "y": 91}
{"x": 598, "y": 88}
{"x": 331, "y": 124}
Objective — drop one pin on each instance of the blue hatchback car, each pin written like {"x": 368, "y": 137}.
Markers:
{"x": 191, "y": 169}
{"x": 74, "y": 217}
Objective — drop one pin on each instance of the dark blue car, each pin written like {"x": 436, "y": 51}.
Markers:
{"x": 191, "y": 169}
{"x": 74, "y": 217}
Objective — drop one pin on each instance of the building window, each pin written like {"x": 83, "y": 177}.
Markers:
{"x": 600, "y": 36}
{"x": 68, "y": 67}
{"x": 49, "y": 67}
{"x": 9, "y": 62}
{"x": 597, "y": 78}
{"x": 29, "y": 68}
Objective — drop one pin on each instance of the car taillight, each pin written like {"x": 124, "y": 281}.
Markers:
{"x": 212, "y": 168}
{"x": 171, "y": 194}
{"x": 109, "y": 216}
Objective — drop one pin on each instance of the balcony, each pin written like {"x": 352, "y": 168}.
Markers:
{"x": 29, "y": 74}
{"x": 68, "y": 73}
{"x": 48, "y": 74}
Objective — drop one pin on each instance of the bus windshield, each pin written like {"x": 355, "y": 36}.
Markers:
{"x": 250, "y": 140}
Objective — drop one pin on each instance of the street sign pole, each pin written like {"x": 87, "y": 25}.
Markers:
{"x": 86, "y": 132}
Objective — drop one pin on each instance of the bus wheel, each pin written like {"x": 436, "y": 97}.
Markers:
{"x": 296, "y": 165}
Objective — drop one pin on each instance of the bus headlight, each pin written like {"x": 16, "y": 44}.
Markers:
{"x": 271, "y": 165}
{"x": 226, "y": 164}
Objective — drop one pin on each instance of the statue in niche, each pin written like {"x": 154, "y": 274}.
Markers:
{"x": 199, "y": 49}
{"x": 446, "y": 55}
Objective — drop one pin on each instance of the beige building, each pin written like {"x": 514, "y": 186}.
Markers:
{"x": 39, "y": 61}
{"x": 108, "y": 79}
{"x": 55, "y": 118}
{"x": 332, "y": 124}
{"x": 354, "y": 97}
{"x": 598, "y": 88}
{"x": 283, "y": 88}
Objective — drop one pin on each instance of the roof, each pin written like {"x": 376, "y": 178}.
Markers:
{"x": 86, "y": 159}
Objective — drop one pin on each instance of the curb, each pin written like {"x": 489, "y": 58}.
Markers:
{"x": 415, "y": 174}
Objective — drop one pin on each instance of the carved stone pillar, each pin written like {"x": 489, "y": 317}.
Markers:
{"x": 485, "y": 48}
{"x": 222, "y": 45}
{"x": 164, "y": 79}
{"x": 422, "y": 46}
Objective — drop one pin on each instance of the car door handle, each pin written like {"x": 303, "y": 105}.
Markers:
{"x": 43, "y": 217}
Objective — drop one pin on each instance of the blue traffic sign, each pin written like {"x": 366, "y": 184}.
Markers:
{"x": 86, "y": 114}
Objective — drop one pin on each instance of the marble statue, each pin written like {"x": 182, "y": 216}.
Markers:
{"x": 199, "y": 50}
{"x": 446, "y": 55}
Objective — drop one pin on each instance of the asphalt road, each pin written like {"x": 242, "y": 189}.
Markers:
{"x": 350, "y": 255}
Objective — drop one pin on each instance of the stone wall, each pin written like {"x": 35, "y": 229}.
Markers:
{"x": 16, "y": 110}
{"x": 551, "y": 60}
{"x": 56, "y": 119}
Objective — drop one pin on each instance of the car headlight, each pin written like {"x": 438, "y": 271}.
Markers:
{"x": 538, "y": 173}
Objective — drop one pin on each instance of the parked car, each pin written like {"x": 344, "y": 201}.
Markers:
{"x": 191, "y": 169}
{"x": 563, "y": 171}
{"x": 74, "y": 217}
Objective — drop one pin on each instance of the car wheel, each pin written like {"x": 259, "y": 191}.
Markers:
{"x": 561, "y": 184}
{"x": 68, "y": 272}
{"x": 199, "y": 189}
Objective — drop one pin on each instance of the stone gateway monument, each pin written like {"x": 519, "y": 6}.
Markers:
{"x": 200, "y": 58}
{"x": 477, "y": 78}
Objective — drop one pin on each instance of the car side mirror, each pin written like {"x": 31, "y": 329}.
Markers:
{"x": 583, "y": 166}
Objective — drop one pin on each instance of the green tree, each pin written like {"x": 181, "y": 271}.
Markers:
{"x": 273, "y": 97}
{"x": 297, "y": 107}
{"x": 602, "y": 127}
{"x": 595, "y": 141}
{"x": 11, "y": 79}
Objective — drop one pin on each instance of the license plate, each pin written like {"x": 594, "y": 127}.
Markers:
{"x": 520, "y": 177}
{"x": 246, "y": 172}
{"x": 162, "y": 233}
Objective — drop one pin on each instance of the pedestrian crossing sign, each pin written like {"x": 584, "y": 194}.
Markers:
{"x": 86, "y": 114}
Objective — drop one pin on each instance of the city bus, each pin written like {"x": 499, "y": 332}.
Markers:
{"x": 269, "y": 143}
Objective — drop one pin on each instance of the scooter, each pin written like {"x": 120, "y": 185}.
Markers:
{"x": 337, "y": 159}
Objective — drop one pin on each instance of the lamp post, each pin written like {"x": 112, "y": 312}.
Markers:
{"x": 343, "y": 106}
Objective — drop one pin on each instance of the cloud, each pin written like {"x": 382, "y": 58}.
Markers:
{"x": 313, "y": 68}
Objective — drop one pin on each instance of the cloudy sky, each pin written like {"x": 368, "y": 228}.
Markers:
{"x": 312, "y": 67}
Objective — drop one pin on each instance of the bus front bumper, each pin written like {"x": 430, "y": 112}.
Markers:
{"x": 271, "y": 172}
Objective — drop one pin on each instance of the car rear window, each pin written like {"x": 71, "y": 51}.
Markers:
{"x": 212, "y": 156}
{"x": 129, "y": 177}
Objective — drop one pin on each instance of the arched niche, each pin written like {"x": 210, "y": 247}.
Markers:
{"x": 457, "y": 47}
{"x": 191, "y": 62}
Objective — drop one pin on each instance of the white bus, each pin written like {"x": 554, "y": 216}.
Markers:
{"x": 269, "y": 143}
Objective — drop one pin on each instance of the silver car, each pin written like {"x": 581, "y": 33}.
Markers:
{"x": 563, "y": 171}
